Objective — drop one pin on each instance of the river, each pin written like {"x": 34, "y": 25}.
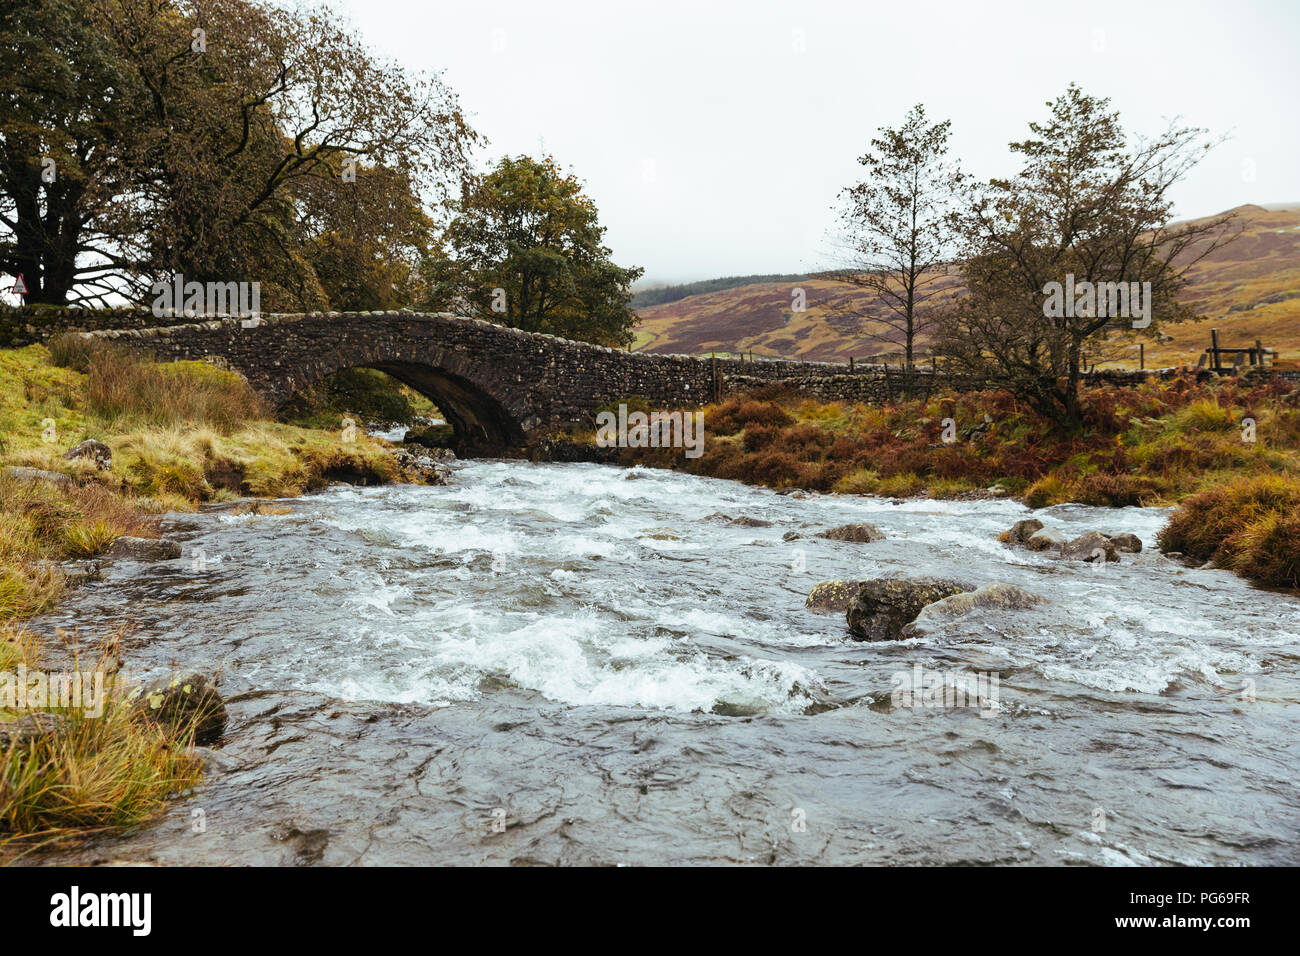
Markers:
{"x": 577, "y": 664}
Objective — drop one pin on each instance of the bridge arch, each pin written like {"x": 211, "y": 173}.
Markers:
{"x": 480, "y": 421}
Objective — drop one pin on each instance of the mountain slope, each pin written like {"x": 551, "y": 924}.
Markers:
{"x": 1248, "y": 289}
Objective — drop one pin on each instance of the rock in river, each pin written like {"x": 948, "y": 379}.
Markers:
{"x": 1126, "y": 543}
{"x": 1021, "y": 531}
{"x": 831, "y": 596}
{"x": 854, "y": 532}
{"x": 144, "y": 549}
{"x": 1047, "y": 539}
{"x": 183, "y": 700}
{"x": 995, "y": 597}
{"x": 884, "y": 606}
{"x": 1090, "y": 547}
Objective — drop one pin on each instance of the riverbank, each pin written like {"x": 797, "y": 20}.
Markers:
{"x": 1172, "y": 442}
{"x": 94, "y": 446}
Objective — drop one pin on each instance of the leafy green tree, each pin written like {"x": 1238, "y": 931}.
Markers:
{"x": 524, "y": 248}
{"x": 68, "y": 219}
{"x": 365, "y": 237}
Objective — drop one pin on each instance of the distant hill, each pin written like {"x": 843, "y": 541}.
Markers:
{"x": 1249, "y": 289}
{"x": 671, "y": 293}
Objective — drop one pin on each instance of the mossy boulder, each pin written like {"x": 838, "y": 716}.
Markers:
{"x": 430, "y": 436}
{"x": 1093, "y": 546}
{"x": 1021, "y": 531}
{"x": 829, "y": 597}
{"x": 1126, "y": 543}
{"x": 861, "y": 532}
{"x": 144, "y": 549}
{"x": 990, "y": 597}
{"x": 883, "y": 607}
{"x": 182, "y": 701}
{"x": 1046, "y": 539}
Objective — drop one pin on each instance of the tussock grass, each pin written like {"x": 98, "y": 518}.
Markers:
{"x": 121, "y": 388}
{"x": 87, "y": 772}
{"x": 41, "y": 523}
{"x": 1248, "y": 525}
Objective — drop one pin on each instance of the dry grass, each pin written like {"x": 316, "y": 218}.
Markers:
{"x": 41, "y": 523}
{"x": 125, "y": 389}
{"x": 88, "y": 772}
{"x": 1249, "y": 525}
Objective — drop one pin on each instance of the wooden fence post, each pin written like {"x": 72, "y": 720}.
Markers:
{"x": 1214, "y": 350}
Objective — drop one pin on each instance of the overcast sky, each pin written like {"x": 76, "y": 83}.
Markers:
{"x": 714, "y": 137}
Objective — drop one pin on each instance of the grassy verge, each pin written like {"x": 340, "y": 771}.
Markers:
{"x": 89, "y": 771}
{"x": 1249, "y": 525}
{"x": 181, "y": 433}
{"x": 1149, "y": 445}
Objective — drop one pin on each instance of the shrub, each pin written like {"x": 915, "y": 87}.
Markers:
{"x": 805, "y": 441}
{"x": 1208, "y": 526}
{"x": 1267, "y": 551}
{"x": 759, "y": 437}
{"x": 1115, "y": 491}
{"x": 1203, "y": 415}
{"x": 901, "y": 486}
{"x": 736, "y": 414}
{"x": 366, "y": 394}
{"x": 862, "y": 481}
{"x": 776, "y": 469}
{"x": 75, "y": 351}
{"x": 1048, "y": 490}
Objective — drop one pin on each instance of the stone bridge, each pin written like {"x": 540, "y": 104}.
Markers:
{"x": 499, "y": 388}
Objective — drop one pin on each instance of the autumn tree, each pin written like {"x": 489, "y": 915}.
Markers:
{"x": 69, "y": 219}
{"x": 218, "y": 116}
{"x": 897, "y": 229}
{"x": 1090, "y": 207}
{"x": 525, "y": 248}
{"x": 365, "y": 236}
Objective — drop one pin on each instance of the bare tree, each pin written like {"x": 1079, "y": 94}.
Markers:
{"x": 897, "y": 226}
{"x": 1089, "y": 211}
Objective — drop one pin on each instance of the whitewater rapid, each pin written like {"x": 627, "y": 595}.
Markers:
{"x": 627, "y": 677}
